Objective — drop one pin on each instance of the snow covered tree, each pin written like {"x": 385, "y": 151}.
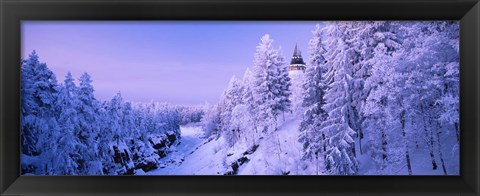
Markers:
{"x": 380, "y": 112}
{"x": 450, "y": 99}
{"x": 283, "y": 87}
{"x": 66, "y": 131}
{"x": 88, "y": 122}
{"x": 314, "y": 86}
{"x": 142, "y": 152}
{"x": 363, "y": 38}
{"x": 433, "y": 55}
{"x": 29, "y": 133}
{"x": 242, "y": 120}
{"x": 340, "y": 146}
{"x": 210, "y": 120}
{"x": 248, "y": 101}
{"x": 271, "y": 84}
{"x": 103, "y": 139}
{"x": 402, "y": 104}
{"x": 377, "y": 47}
{"x": 68, "y": 157}
{"x": 189, "y": 114}
{"x": 39, "y": 90}
{"x": 38, "y": 122}
{"x": 120, "y": 161}
{"x": 232, "y": 98}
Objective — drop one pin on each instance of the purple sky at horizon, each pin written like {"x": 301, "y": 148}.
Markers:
{"x": 166, "y": 61}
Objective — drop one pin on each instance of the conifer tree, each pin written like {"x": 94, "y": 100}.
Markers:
{"x": 340, "y": 146}
{"x": 89, "y": 122}
{"x": 271, "y": 85}
{"x": 232, "y": 98}
{"x": 313, "y": 98}
{"x": 39, "y": 90}
{"x": 69, "y": 156}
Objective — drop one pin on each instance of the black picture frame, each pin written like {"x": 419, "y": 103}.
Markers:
{"x": 12, "y": 12}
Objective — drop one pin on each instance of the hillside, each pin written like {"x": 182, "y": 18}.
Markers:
{"x": 278, "y": 153}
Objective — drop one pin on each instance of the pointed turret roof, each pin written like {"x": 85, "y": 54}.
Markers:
{"x": 296, "y": 52}
{"x": 297, "y": 56}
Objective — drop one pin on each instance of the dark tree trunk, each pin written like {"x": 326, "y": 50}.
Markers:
{"x": 353, "y": 123}
{"x": 457, "y": 133}
{"x": 429, "y": 135}
{"x": 384, "y": 146}
{"x": 360, "y": 137}
{"x": 359, "y": 120}
{"x": 353, "y": 151}
{"x": 415, "y": 138}
{"x": 439, "y": 146}
{"x": 324, "y": 143}
{"x": 407, "y": 152}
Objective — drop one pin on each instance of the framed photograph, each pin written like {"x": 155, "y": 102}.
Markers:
{"x": 239, "y": 97}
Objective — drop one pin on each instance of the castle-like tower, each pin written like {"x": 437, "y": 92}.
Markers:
{"x": 297, "y": 61}
{"x": 296, "y": 70}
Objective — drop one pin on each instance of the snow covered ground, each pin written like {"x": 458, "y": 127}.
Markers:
{"x": 191, "y": 138}
{"x": 278, "y": 153}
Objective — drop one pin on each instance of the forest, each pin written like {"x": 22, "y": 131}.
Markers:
{"x": 377, "y": 98}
